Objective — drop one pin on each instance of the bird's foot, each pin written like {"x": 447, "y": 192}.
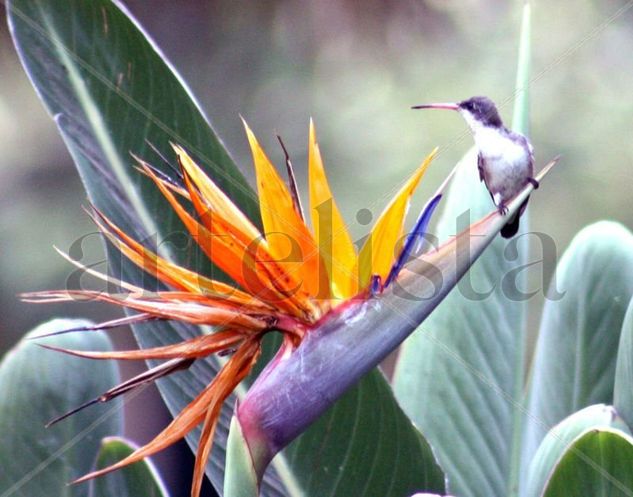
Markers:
{"x": 534, "y": 183}
{"x": 503, "y": 210}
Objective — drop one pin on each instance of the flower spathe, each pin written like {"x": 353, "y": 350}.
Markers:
{"x": 286, "y": 279}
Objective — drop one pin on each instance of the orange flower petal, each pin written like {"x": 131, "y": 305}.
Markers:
{"x": 335, "y": 244}
{"x": 230, "y": 255}
{"x": 193, "y": 414}
{"x": 284, "y": 228}
{"x": 171, "y": 274}
{"x": 267, "y": 269}
{"x": 215, "y": 198}
{"x": 200, "y": 346}
{"x": 239, "y": 367}
{"x": 190, "y": 311}
{"x": 379, "y": 251}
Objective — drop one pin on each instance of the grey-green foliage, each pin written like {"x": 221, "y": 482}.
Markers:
{"x": 459, "y": 377}
{"x": 623, "y": 388}
{"x": 575, "y": 358}
{"x": 36, "y": 386}
{"x": 456, "y": 375}
{"x": 574, "y": 366}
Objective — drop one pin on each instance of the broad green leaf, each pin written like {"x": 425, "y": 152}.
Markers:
{"x": 38, "y": 385}
{"x": 110, "y": 92}
{"x": 559, "y": 439}
{"x": 623, "y": 388}
{"x": 574, "y": 359}
{"x": 137, "y": 480}
{"x": 459, "y": 377}
{"x": 598, "y": 463}
{"x": 384, "y": 456}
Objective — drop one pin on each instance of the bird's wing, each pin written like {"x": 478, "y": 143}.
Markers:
{"x": 526, "y": 143}
{"x": 480, "y": 167}
{"x": 482, "y": 175}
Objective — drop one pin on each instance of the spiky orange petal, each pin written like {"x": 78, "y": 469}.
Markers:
{"x": 192, "y": 415}
{"x": 191, "y": 311}
{"x": 335, "y": 243}
{"x": 200, "y": 346}
{"x": 379, "y": 250}
{"x": 268, "y": 270}
{"x": 230, "y": 256}
{"x": 284, "y": 229}
{"x": 215, "y": 197}
{"x": 171, "y": 274}
{"x": 240, "y": 367}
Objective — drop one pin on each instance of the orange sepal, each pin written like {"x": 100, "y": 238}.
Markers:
{"x": 230, "y": 256}
{"x": 335, "y": 243}
{"x": 267, "y": 269}
{"x": 240, "y": 368}
{"x": 194, "y": 311}
{"x": 215, "y": 199}
{"x": 284, "y": 229}
{"x": 171, "y": 274}
{"x": 192, "y": 415}
{"x": 197, "y": 347}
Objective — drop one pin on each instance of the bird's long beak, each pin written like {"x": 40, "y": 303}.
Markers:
{"x": 450, "y": 106}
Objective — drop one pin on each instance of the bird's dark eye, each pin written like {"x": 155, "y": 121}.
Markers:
{"x": 468, "y": 105}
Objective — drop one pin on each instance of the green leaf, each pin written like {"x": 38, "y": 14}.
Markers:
{"x": 385, "y": 454}
{"x": 623, "y": 388}
{"x": 111, "y": 92}
{"x": 598, "y": 463}
{"x": 38, "y": 385}
{"x": 521, "y": 113}
{"x": 459, "y": 377}
{"x": 574, "y": 364}
{"x": 137, "y": 480}
{"x": 559, "y": 439}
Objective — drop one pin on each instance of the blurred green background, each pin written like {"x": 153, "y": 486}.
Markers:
{"x": 356, "y": 68}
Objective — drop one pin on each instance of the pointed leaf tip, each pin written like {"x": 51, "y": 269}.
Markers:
{"x": 561, "y": 437}
{"x": 240, "y": 477}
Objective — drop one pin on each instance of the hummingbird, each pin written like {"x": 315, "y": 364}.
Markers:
{"x": 505, "y": 158}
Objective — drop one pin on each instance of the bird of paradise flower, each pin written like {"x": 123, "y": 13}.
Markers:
{"x": 273, "y": 292}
